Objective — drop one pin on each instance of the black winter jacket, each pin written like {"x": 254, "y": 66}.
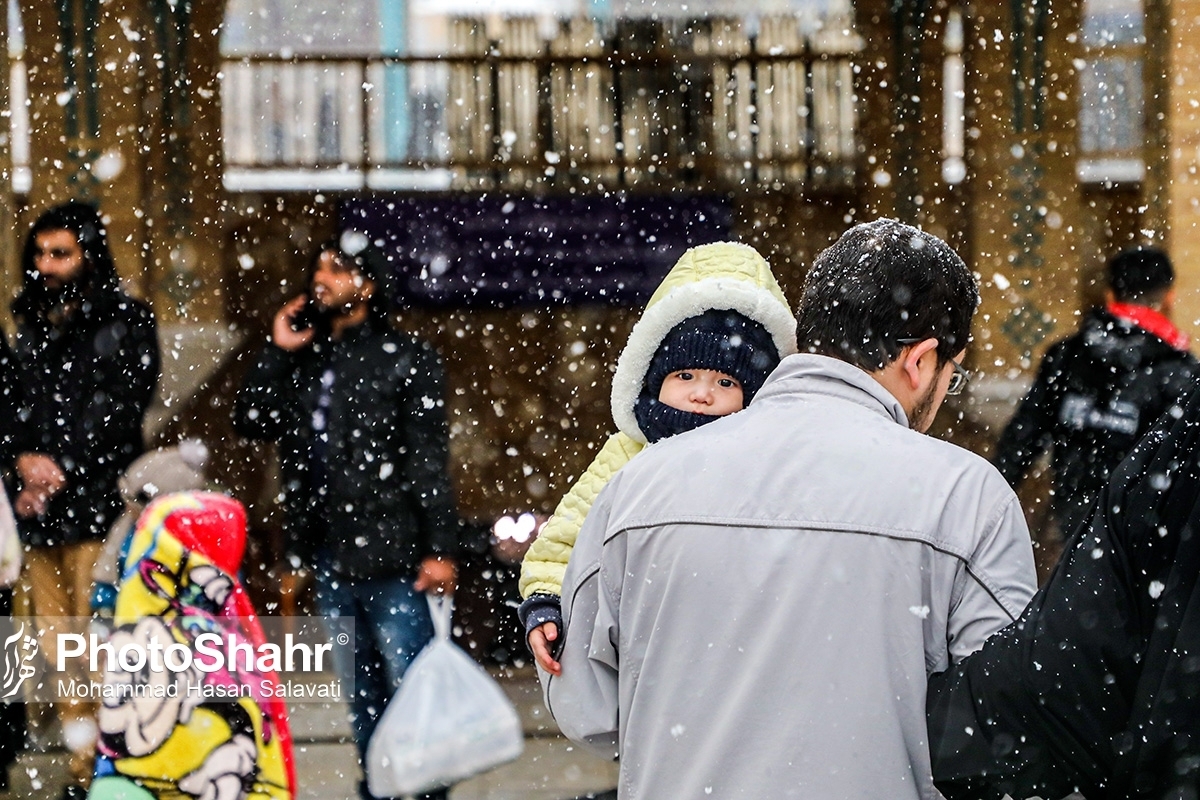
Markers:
{"x": 10, "y": 403}
{"x": 1096, "y": 687}
{"x": 85, "y": 386}
{"x": 1096, "y": 393}
{"x": 390, "y": 502}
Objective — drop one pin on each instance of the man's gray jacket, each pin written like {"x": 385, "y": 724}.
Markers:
{"x": 752, "y": 608}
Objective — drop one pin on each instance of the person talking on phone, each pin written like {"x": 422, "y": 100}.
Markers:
{"x": 358, "y": 410}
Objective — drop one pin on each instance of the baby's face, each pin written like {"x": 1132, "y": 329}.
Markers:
{"x": 702, "y": 391}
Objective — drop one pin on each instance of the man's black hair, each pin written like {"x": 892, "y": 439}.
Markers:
{"x": 1140, "y": 274}
{"x": 100, "y": 273}
{"x": 880, "y": 283}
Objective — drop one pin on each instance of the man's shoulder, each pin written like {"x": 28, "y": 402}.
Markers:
{"x": 940, "y": 480}
{"x": 917, "y": 468}
{"x": 1176, "y": 374}
{"x": 391, "y": 339}
{"x": 1110, "y": 339}
{"x": 118, "y": 305}
{"x": 954, "y": 457}
{"x": 1175, "y": 362}
{"x": 845, "y": 456}
{"x": 1096, "y": 323}
{"x": 887, "y": 447}
{"x": 893, "y": 444}
{"x": 394, "y": 351}
{"x": 1071, "y": 344}
{"x": 1099, "y": 339}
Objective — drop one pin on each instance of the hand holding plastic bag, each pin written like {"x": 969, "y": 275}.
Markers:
{"x": 448, "y": 721}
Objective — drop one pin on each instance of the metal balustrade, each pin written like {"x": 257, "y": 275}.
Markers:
{"x": 703, "y": 105}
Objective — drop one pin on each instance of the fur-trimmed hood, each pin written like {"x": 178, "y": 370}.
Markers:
{"x": 723, "y": 276}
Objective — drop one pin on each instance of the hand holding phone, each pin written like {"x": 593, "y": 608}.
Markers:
{"x": 306, "y": 317}
{"x": 291, "y": 330}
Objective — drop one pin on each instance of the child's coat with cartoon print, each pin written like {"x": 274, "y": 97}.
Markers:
{"x": 181, "y": 582}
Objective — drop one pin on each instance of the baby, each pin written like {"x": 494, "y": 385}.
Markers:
{"x": 714, "y": 329}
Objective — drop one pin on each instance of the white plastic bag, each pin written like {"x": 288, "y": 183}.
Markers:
{"x": 449, "y": 720}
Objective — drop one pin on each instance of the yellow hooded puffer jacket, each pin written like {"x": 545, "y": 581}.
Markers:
{"x": 721, "y": 276}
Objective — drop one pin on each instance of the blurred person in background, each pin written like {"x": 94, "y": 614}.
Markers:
{"x": 87, "y": 364}
{"x": 161, "y": 471}
{"x": 12, "y": 715}
{"x": 358, "y": 410}
{"x": 1099, "y": 390}
{"x": 1095, "y": 690}
{"x": 217, "y": 734}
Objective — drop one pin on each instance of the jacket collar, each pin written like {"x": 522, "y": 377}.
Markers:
{"x": 807, "y": 373}
{"x": 360, "y": 331}
{"x": 350, "y": 335}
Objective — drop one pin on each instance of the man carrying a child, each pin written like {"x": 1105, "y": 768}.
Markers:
{"x": 752, "y": 608}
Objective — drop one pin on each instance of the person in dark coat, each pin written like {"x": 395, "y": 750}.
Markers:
{"x": 12, "y": 715}
{"x": 1096, "y": 688}
{"x": 87, "y": 365}
{"x": 1098, "y": 391}
{"x": 10, "y": 402}
{"x": 358, "y": 410}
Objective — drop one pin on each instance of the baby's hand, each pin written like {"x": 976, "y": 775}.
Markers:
{"x": 541, "y": 643}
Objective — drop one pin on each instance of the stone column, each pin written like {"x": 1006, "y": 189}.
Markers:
{"x": 1183, "y": 188}
{"x": 900, "y": 91}
{"x": 1025, "y": 203}
{"x": 1156, "y": 116}
{"x": 85, "y": 94}
{"x": 875, "y": 82}
{"x": 10, "y": 269}
{"x": 125, "y": 113}
{"x": 184, "y": 197}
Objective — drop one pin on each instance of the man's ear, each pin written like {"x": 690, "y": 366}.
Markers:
{"x": 911, "y": 366}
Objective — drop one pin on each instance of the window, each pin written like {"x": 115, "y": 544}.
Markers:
{"x": 18, "y": 102}
{"x": 1111, "y": 92}
{"x": 434, "y": 94}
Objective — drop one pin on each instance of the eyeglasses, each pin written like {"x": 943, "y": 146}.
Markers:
{"x": 960, "y": 378}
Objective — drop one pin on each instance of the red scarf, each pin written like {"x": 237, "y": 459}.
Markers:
{"x": 1150, "y": 321}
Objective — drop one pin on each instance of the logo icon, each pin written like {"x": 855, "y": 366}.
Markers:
{"x": 19, "y": 651}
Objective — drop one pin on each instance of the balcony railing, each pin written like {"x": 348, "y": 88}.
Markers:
{"x": 707, "y": 106}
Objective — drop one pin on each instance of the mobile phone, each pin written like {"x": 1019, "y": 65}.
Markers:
{"x": 305, "y": 318}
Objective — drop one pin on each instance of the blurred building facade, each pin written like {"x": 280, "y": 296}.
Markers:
{"x": 225, "y": 139}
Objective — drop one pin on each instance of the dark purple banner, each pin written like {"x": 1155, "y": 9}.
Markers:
{"x": 469, "y": 250}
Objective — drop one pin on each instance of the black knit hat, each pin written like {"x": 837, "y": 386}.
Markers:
{"x": 1136, "y": 273}
{"x": 720, "y": 340}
